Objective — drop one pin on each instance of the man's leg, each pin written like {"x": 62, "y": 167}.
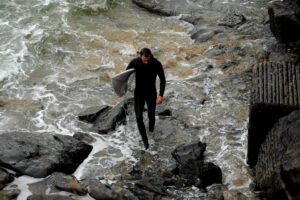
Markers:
{"x": 151, "y": 104}
{"x": 139, "y": 103}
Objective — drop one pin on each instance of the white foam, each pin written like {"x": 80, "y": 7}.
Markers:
{"x": 22, "y": 184}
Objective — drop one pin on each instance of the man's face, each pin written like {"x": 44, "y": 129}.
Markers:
{"x": 146, "y": 59}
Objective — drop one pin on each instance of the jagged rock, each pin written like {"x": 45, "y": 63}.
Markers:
{"x": 55, "y": 183}
{"x": 285, "y": 20}
{"x": 107, "y": 118}
{"x": 278, "y": 166}
{"x": 5, "y": 178}
{"x": 38, "y": 155}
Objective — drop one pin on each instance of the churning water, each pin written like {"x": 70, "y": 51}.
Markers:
{"x": 57, "y": 57}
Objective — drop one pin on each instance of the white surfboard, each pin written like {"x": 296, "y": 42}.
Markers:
{"x": 119, "y": 82}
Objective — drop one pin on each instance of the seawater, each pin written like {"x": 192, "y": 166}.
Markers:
{"x": 57, "y": 58}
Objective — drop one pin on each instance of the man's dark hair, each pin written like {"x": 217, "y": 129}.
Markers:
{"x": 145, "y": 52}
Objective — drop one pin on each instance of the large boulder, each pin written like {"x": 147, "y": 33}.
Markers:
{"x": 285, "y": 20}
{"x": 278, "y": 165}
{"x": 40, "y": 154}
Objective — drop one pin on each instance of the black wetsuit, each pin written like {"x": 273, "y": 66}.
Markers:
{"x": 145, "y": 92}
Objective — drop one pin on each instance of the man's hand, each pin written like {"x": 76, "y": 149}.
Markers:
{"x": 159, "y": 99}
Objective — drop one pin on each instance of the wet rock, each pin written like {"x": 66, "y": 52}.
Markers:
{"x": 281, "y": 57}
{"x": 107, "y": 118}
{"x": 38, "y": 155}
{"x": 5, "y": 178}
{"x": 91, "y": 114}
{"x": 216, "y": 50}
{"x": 98, "y": 190}
{"x": 216, "y": 192}
{"x": 192, "y": 168}
{"x": 55, "y": 183}
{"x": 155, "y": 8}
{"x": 86, "y": 138}
{"x": 11, "y": 194}
{"x": 166, "y": 112}
{"x": 285, "y": 20}
{"x": 51, "y": 197}
{"x": 278, "y": 166}
{"x": 232, "y": 19}
{"x": 229, "y": 64}
{"x": 204, "y": 34}
{"x": 199, "y": 173}
{"x": 193, "y": 151}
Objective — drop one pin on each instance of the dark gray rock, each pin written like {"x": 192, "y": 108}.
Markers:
{"x": 191, "y": 167}
{"x": 84, "y": 137}
{"x": 51, "y": 197}
{"x": 278, "y": 166}
{"x": 193, "y": 151}
{"x": 232, "y": 19}
{"x": 55, "y": 183}
{"x": 38, "y": 155}
{"x": 98, "y": 190}
{"x": 11, "y": 194}
{"x": 285, "y": 20}
{"x": 107, "y": 118}
{"x": 91, "y": 114}
{"x": 5, "y": 178}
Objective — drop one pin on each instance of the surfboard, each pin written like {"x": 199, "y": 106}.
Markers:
{"x": 119, "y": 82}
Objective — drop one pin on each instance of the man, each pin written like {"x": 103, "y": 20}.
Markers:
{"x": 147, "y": 68}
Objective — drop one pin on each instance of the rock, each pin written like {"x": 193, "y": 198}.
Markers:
{"x": 11, "y": 194}
{"x": 86, "y": 138}
{"x": 193, "y": 151}
{"x": 216, "y": 191}
{"x": 207, "y": 173}
{"x": 107, "y": 118}
{"x": 5, "y": 178}
{"x": 91, "y": 114}
{"x": 278, "y": 166}
{"x": 38, "y": 155}
{"x": 232, "y": 19}
{"x": 193, "y": 169}
{"x": 99, "y": 191}
{"x": 165, "y": 113}
{"x": 55, "y": 183}
{"x": 285, "y": 20}
{"x": 51, "y": 197}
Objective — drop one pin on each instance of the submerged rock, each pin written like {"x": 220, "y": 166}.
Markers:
{"x": 38, "y": 155}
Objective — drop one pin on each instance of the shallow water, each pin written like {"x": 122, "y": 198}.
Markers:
{"x": 58, "y": 58}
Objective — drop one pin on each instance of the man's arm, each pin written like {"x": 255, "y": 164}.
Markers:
{"x": 162, "y": 86}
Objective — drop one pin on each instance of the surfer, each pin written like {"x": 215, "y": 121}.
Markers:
{"x": 147, "y": 68}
